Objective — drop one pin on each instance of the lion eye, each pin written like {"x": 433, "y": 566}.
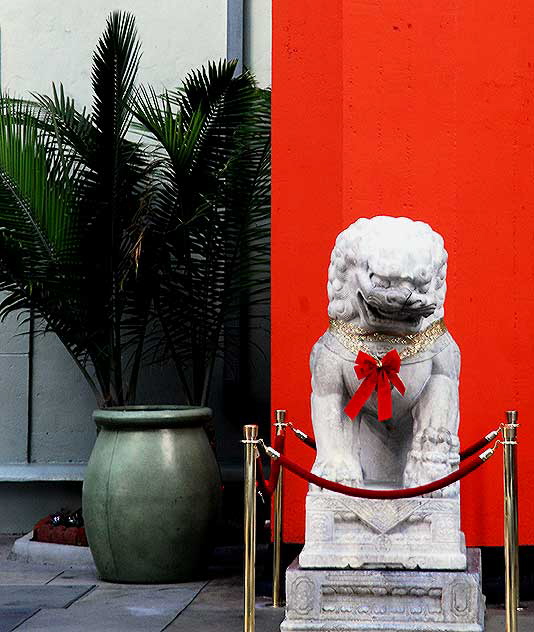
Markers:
{"x": 406, "y": 284}
{"x": 379, "y": 281}
{"x": 425, "y": 274}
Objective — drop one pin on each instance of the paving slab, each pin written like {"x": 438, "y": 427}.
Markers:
{"x": 219, "y": 608}
{"x": 495, "y": 619}
{"x": 117, "y": 608}
{"x": 10, "y": 618}
{"x": 45, "y": 596}
{"x": 78, "y": 576}
{"x": 22, "y": 574}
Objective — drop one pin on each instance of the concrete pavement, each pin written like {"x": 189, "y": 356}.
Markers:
{"x": 39, "y": 598}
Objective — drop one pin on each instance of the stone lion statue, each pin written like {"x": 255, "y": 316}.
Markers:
{"x": 386, "y": 289}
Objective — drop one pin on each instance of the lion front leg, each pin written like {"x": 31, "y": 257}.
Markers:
{"x": 434, "y": 450}
{"x": 337, "y": 438}
{"x": 338, "y": 442}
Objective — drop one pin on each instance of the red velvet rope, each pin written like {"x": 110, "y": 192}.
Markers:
{"x": 464, "y": 454}
{"x": 309, "y": 441}
{"x": 261, "y": 482}
{"x": 268, "y": 486}
{"x": 476, "y": 447}
{"x": 359, "y": 492}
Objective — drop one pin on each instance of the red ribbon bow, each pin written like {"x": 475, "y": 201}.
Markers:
{"x": 377, "y": 375}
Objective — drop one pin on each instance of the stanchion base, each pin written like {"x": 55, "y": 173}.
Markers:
{"x": 385, "y": 600}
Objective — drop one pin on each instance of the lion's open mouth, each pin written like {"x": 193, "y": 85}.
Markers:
{"x": 377, "y": 316}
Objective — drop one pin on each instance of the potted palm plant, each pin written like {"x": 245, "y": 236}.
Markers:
{"x": 129, "y": 231}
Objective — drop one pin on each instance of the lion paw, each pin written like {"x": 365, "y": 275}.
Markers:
{"x": 425, "y": 472}
{"x": 434, "y": 456}
{"x": 340, "y": 471}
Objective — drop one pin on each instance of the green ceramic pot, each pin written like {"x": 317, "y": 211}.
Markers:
{"x": 151, "y": 494}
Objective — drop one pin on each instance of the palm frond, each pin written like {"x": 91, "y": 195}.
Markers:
{"x": 70, "y": 184}
{"x": 37, "y": 227}
{"x": 207, "y": 227}
{"x": 133, "y": 247}
{"x": 115, "y": 64}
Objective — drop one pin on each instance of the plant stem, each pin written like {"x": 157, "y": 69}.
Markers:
{"x": 181, "y": 374}
{"x": 98, "y": 394}
{"x": 207, "y": 380}
{"x": 134, "y": 375}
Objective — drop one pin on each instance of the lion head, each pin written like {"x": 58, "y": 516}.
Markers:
{"x": 388, "y": 274}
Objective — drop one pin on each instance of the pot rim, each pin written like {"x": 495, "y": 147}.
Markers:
{"x": 153, "y": 416}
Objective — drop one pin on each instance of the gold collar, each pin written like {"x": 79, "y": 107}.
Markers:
{"x": 354, "y": 338}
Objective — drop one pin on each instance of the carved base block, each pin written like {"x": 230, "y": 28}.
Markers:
{"x": 343, "y": 532}
{"x": 385, "y": 600}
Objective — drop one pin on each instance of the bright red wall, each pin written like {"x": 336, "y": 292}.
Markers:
{"x": 423, "y": 109}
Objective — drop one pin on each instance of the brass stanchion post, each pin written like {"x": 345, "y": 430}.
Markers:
{"x": 280, "y": 425}
{"x": 511, "y": 536}
{"x": 250, "y": 441}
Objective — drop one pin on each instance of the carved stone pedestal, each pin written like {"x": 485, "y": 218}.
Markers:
{"x": 331, "y": 600}
{"x": 343, "y": 532}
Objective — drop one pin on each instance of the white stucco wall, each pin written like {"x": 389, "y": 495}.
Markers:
{"x": 45, "y": 41}
{"x": 257, "y": 35}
